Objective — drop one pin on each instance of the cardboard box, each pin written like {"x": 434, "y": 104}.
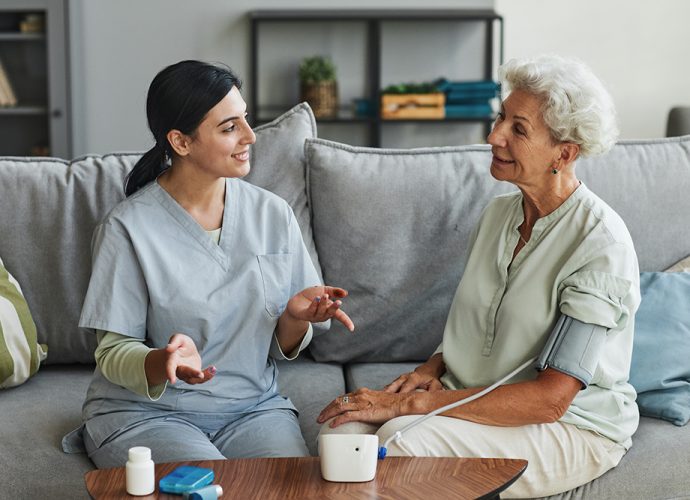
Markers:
{"x": 413, "y": 106}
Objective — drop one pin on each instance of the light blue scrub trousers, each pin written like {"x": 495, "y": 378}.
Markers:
{"x": 185, "y": 437}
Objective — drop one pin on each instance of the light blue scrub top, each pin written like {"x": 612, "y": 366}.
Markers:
{"x": 157, "y": 272}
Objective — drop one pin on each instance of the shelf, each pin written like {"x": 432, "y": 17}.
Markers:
{"x": 350, "y": 117}
{"x": 36, "y": 66}
{"x": 484, "y": 26}
{"x": 23, "y": 110}
{"x": 373, "y": 14}
{"x": 21, "y": 37}
{"x": 268, "y": 113}
{"x": 467, "y": 119}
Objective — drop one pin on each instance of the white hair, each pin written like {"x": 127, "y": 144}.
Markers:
{"x": 575, "y": 105}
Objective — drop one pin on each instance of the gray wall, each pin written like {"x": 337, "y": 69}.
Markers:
{"x": 117, "y": 46}
{"x": 637, "y": 47}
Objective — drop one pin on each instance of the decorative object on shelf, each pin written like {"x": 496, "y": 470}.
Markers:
{"x": 7, "y": 96}
{"x": 33, "y": 23}
{"x": 412, "y": 101}
{"x": 363, "y": 107}
{"x": 318, "y": 85}
{"x": 469, "y": 99}
{"x": 40, "y": 150}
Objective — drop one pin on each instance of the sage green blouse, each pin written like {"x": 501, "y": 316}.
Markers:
{"x": 579, "y": 261}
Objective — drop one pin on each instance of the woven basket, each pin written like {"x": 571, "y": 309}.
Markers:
{"x": 322, "y": 97}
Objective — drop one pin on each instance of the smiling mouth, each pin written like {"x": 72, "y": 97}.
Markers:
{"x": 243, "y": 156}
{"x": 498, "y": 159}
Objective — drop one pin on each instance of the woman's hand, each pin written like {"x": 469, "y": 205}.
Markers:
{"x": 412, "y": 381}
{"x": 179, "y": 359}
{"x": 316, "y": 304}
{"x": 364, "y": 405}
{"x": 424, "y": 377}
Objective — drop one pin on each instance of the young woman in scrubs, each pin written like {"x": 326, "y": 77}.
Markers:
{"x": 199, "y": 282}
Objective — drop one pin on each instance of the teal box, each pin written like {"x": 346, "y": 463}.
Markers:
{"x": 186, "y": 478}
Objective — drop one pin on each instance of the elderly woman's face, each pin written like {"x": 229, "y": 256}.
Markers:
{"x": 523, "y": 151}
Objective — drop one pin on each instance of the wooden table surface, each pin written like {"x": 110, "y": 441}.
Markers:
{"x": 300, "y": 478}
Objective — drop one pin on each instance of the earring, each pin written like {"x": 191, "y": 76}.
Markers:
{"x": 554, "y": 171}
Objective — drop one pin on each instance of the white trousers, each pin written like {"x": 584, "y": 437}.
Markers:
{"x": 561, "y": 456}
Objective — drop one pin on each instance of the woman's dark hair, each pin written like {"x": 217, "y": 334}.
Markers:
{"x": 179, "y": 98}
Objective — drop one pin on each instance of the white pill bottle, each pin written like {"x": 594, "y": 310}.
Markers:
{"x": 140, "y": 477}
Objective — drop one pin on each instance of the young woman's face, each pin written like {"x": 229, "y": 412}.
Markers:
{"x": 221, "y": 143}
{"x": 523, "y": 151}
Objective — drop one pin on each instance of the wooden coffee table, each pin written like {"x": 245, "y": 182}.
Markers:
{"x": 300, "y": 478}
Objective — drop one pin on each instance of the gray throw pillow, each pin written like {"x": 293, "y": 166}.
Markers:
{"x": 48, "y": 210}
{"x": 392, "y": 227}
{"x": 646, "y": 183}
{"x": 277, "y": 164}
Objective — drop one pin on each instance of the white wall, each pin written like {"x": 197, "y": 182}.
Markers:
{"x": 117, "y": 46}
{"x": 639, "y": 48}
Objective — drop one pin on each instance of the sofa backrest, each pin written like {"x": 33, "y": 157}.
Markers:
{"x": 392, "y": 226}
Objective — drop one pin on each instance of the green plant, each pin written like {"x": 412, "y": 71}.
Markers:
{"x": 410, "y": 88}
{"x": 316, "y": 69}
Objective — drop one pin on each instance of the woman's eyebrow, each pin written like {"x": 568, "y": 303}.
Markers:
{"x": 227, "y": 120}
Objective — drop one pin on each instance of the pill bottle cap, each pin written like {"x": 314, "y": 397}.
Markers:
{"x": 139, "y": 454}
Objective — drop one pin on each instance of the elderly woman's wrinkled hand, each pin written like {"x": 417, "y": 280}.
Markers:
{"x": 363, "y": 405}
{"x": 415, "y": 380}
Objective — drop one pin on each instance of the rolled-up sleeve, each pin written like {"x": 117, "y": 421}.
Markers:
{"x": 603, "y": 290}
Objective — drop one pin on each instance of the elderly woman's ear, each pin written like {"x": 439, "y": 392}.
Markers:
{"x": 569, "y": 153}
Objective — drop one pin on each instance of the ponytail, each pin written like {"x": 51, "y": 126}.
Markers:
{"x": 147, "y": 169}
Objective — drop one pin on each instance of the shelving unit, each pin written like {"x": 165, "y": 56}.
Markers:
{"x": 36, "y": 66}
{"x": 373, "y": 25}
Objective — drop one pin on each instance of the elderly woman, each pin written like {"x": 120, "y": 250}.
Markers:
{"x": 549, "y": 255}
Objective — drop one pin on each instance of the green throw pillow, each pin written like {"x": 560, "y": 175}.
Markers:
{"x": 20, "y": 354}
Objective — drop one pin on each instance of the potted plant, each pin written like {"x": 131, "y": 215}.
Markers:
{"x": 318, "y": 85}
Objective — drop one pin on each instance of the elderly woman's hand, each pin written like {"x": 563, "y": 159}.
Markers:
{"x": 425, "y": 377}
{"x": 364, "y": 405}
{"x": 412, "y": 381}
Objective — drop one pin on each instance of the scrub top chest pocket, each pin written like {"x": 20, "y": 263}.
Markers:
{"x": 276, "y": 271}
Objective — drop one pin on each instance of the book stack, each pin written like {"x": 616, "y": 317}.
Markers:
{"x": 7, "y": 96}
{"x": 469, "y": 99}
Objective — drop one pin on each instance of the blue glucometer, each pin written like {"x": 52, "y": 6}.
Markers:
{"x": 185, "y": 478}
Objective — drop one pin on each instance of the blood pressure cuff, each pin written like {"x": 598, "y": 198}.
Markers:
{"x": 573, "y": 348}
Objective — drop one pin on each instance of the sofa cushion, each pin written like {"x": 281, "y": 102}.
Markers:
{"x": 682, "y": 266}
{"x": 277, "y": 161}
{"x": 310, "y": 386}
{"x": 392, "y": 227}
{"x": 660, "y": 371}
{"x": 646, "y": 182}
{"x": 655, "y": 467}
{"x": 20, "y": 355}
{"x": 34, "y": 418}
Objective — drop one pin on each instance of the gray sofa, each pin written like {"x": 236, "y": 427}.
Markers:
{"x": 389, "y": 225}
